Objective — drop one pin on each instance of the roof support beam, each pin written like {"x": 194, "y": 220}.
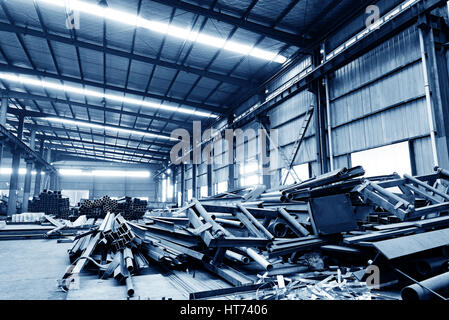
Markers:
{"x": 101, "y": 87}
{"x": 120, "y": 53}
{"x": 111, "y": 127}
{"x": 23, "y": 148}
{"x": 106, "y": 145}
{"x": 56, "y": 146}
{"x": 89, "y": 133}
{"x": 282, "y": 36}
{"x": 94, "y": 157}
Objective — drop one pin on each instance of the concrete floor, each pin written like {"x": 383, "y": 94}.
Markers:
{"x": 30, "y": 269}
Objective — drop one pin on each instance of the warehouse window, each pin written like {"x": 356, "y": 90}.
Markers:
{"x": 301, "y": 170}
{"x": 249, "y": 173}
{"x": 180, "y": 199}
{"x": 169, "y": 190}
{"x": 222, "y": 187}
{"x": 75, "y": 195}
{"x": 204, "y": 192}
{"x": 22, "y": 171}
{"x": 384, "y": 160}
{"x": 164, "y": 190}
{"x": 189, "y": 194}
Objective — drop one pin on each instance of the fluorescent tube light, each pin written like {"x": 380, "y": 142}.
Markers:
{"x": 92, "y": 93}
{"x": 104, "y": 173}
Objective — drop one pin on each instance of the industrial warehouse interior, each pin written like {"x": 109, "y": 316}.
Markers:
{"x": 224, "y": 150}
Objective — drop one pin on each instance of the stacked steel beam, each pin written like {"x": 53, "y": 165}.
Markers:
{"x": 51, "y": 203}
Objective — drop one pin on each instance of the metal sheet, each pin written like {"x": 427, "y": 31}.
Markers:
{"x": 404, "y": 246}
{"x": 333, "y": 214}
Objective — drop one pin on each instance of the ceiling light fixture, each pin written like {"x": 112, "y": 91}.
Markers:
{"x": 107, "y": 128}
{"x": 26, "y": 80}
{"x": 184, "y": 33}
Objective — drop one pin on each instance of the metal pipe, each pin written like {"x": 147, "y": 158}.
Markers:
{"x": 258, "y": 259}
{"x": 439, "y": 284}
{"x": 426, "y": 186}
{"x": 329, "y": 126}
{"x": 129, "y": 286}
{"x": 234, "y": 256}
{"x": 426, "y": 267}
{"x": 293, "y": 224}
{"x": 278, "y": 229}
{"x": 128, "y": 257}
{"x": 430, "y": 115}
{"x": 230, "y": 223}
{"x": 442, "y": 172}
{"x": 255, "y": 222}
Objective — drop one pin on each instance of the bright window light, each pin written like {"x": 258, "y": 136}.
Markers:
{"x": 169, "y": 190}
{"x": 204, "y": 192}
{"x": 73, "y": 172}
{"x": 250, "y": 167}
{"x": 164, "y": 190}
{"x": 384, "y": 160}
{"x": 102, "y": 127}
{"x": 22, "y": 171}
{"x": 222, "y": 187}
{"x": 302, "y": 171}
{"x": 251, "y": 180}
{"x": 179, "y": 199}
{"x": 189, "y": 194}
{"x": 184, "y": 33}
{"x": 26, "y": 80}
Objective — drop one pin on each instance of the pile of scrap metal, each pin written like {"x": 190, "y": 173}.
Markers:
{"x": 399, "y": 224}
{"x": 240, "y": 245}
{"x": 111, "y": 249}
{"x": 349, "y": 235}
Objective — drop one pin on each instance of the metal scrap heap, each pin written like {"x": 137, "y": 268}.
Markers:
{"x": 337, "y": 236}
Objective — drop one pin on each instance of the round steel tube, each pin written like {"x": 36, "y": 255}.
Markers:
{"x": 439, "y": 284}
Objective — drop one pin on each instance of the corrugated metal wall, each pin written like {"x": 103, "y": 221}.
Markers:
{"x": 375, "y": 100}
{"x": 379, "y": 99}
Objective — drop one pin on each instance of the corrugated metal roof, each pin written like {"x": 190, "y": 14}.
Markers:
{"x": 145, "y": 65}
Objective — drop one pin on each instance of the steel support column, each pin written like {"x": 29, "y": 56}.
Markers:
{"x": 27, "y": 186}
{"x": 183, "y": 183}
{"x": 265, "y": 150}
{"x": 173, "y": 181}
{"x": 28, "y": 175}
{"x": 318, "y": 89}
{"x": 38, "y": 179}
{"x": 194, "y": 180}
{"x": 209, "y": 180}
{"x": 14, "y": 180}
{"x": 432, "y": 39}
{"x": 3, "y": 110}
